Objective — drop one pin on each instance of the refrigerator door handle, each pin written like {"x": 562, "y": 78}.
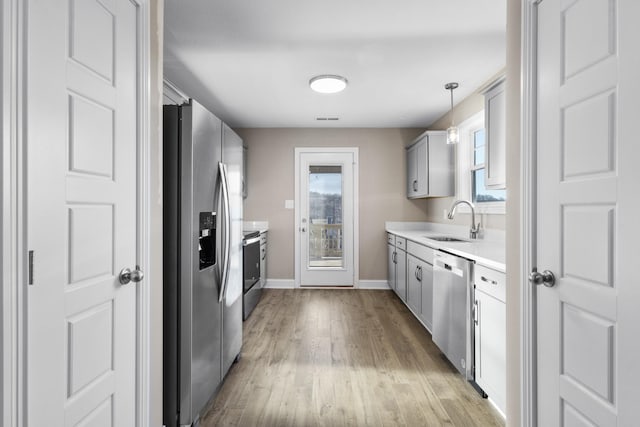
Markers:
{"x": 227, "y": 230}
{"x": 218, "y": 204}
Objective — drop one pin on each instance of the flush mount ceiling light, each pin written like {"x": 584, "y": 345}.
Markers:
{"x": 453, "y": 135}
{"x": 328, "y": 84}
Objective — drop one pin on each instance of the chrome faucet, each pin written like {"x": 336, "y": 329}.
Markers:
{"x": 475, "y": 228}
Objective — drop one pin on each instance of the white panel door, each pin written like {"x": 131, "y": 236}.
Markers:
{"x": 587, "y": 214}
{"x": 326, "y": 220}
{"x": 82, "y": 138}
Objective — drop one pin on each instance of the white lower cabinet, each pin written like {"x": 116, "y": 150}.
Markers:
{"x": 420, "y": 289}
{"x": 414, "y": 285}
{"x": 490, "y": 334}
{"x": 420, "y": 276}
{"x": 397, "y": 265}
{"x": 426, "y": 277}
{"x": 391, "y": 266}
{"x": 401, "y": 274}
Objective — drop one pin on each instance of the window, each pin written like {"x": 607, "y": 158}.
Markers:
{"x": 480, "y": 194}
{"x": 470, "y": 177}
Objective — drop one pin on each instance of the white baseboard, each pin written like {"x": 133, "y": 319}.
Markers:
{"x": 280, "y": 284}
{"x": 290, "y": 284}
{"x": 373, "y": 284}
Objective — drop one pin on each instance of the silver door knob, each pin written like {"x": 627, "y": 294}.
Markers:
{"x": 126, "y": 275}
{"x": 545, "y": 278}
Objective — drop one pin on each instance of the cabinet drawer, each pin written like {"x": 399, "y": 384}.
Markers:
{"x": 391, "y": 239}
{"x": 425, "y": 253}
{"x": 490, "y": 281}
{"x": 401, "y": 243}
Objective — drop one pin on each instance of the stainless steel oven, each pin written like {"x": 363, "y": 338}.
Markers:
{"x": 251, "y": 272}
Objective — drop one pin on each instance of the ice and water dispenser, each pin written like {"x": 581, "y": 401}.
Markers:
{"x": 207, "y": 239}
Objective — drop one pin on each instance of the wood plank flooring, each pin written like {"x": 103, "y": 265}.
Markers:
{"x": 342, "y": 358}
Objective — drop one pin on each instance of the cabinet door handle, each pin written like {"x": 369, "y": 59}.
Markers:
{"x": 476, "y": 309}
{"x": 484, "y": 279}
{"x": 395, "y": 257}
{"x": 415, "y": 183}
{"x": 415, "y": 273}
{"x": 419, "y": 268}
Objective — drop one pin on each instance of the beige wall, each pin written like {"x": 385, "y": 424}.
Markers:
{"x": 270, "y": 180}
{"x": 466, "y": 108}
{"x": 513, "y": 212}
{"x": 155, "y": 268}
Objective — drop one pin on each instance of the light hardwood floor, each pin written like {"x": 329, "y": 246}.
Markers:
{"x": 342, "y": 357}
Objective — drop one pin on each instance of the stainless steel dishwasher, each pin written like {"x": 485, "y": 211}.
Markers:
{"x": 452, "y": 331}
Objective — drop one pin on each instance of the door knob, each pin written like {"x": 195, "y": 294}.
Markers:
{"x": 545, "y": 278}
{"x": 126, "y": 275}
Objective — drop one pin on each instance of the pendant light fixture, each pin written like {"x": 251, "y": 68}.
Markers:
{"x": 453, "y": 136}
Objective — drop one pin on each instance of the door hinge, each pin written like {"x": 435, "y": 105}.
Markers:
{"x": 30, "y": 274}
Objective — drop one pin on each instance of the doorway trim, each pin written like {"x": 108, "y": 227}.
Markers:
{"x": 296, "y": 212}
{"x": 13, "y": 214}
{"x": 144, "y": 406}
{"x": 528, "y": 179}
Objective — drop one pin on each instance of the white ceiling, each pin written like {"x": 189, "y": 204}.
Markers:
{"x": 250, "y": 61}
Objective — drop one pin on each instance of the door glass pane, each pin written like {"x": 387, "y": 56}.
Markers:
{"x": 325, "y": 216}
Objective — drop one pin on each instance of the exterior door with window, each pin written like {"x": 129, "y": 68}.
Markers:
{"x": 82, "y": 137}
{"x": 326, "y": 218}
{"x": 587, "y": 213}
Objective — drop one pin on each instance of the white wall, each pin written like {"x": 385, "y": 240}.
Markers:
{"x": 270, "y": 180}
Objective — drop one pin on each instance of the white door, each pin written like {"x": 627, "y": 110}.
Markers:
{"x": 588, "y": 212}
{"x": 326, "y": 217}
{"x": 82, "y": 138}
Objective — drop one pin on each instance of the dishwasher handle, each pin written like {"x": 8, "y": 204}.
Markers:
{"x": 447, "y": 263}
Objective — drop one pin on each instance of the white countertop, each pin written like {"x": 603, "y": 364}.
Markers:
{"x": 261, "y": 226}
{"x": 488, "y": 251}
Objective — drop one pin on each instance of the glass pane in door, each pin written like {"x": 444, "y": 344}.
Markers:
{"x": 325, "y": 216}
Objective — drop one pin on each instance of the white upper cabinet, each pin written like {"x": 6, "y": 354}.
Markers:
{"x": 430, "y": 168}
{"x": 495, "y": 123}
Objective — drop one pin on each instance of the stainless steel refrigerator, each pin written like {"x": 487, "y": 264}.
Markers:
{"x": 202, "y": 223}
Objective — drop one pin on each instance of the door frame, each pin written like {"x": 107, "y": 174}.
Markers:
{"x": 528, "y": 218}
{"x": 296, "y": 211}
{"x": 13, "y": 216}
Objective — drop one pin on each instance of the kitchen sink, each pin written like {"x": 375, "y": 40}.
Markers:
{"x": 446, "y": 239}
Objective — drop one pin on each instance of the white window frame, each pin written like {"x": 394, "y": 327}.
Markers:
{"x": 464, "y": 166}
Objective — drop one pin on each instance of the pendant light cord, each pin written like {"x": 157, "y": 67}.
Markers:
{"x": 451, "y": 90}
{"x": 450, "y": 87}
